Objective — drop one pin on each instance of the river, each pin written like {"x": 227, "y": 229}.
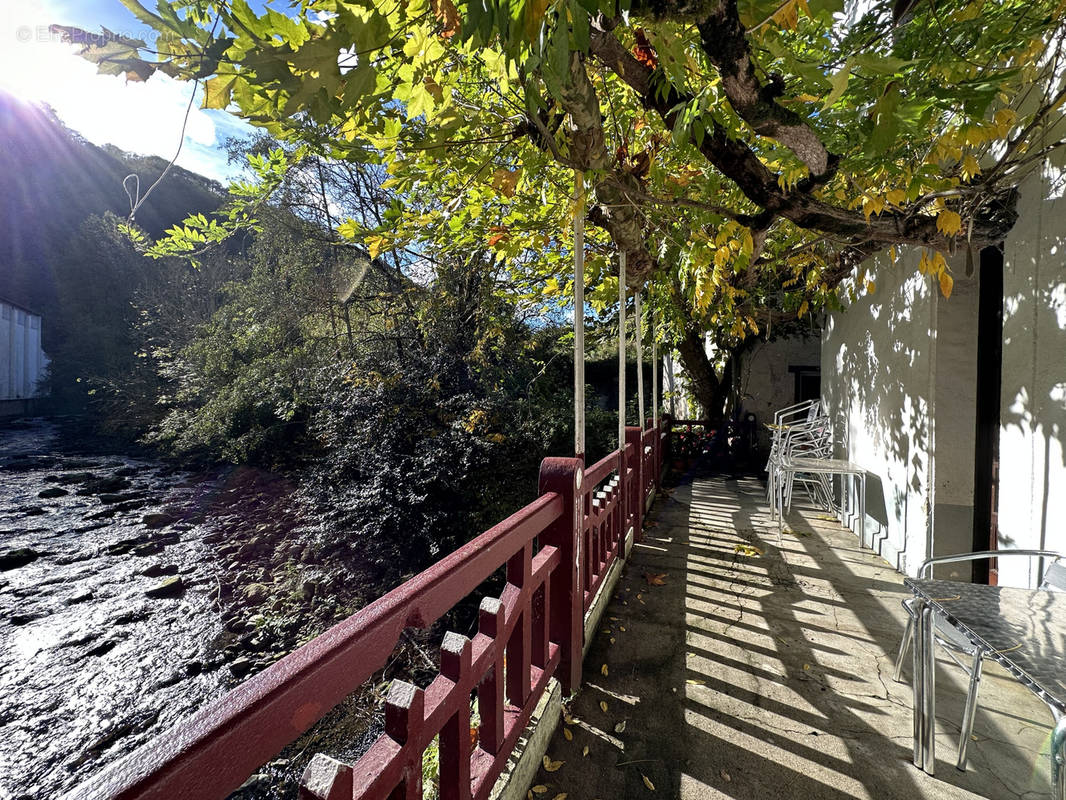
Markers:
{"x": 110, "y": 630}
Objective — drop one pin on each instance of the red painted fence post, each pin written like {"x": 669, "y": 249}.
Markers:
{"x": 566, "y": 602}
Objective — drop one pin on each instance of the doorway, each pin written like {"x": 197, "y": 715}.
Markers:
{"x": 989, "y": 385}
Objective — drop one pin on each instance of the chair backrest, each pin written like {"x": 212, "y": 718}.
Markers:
{"x": 1055, "y": 576}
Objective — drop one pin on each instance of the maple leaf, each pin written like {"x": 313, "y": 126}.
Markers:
{"x": 643, "y": 51}
{"x": 654, "y": 579}
{"x": 446, "y": 12}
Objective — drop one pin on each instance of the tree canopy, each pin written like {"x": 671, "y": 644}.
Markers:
{"x": 745, "y": 155}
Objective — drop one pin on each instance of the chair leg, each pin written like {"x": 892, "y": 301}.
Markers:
{"x": 971, "y": 707}
{"x": 908, "y": 633}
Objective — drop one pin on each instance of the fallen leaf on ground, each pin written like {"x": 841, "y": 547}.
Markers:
{"x": 725, "y": 776}
{"x": 585, "y": 751}
{"x": 560, "y": 796}
{"x": 540, "y": 788}
{"x": 622, "y": 628}
{"x": 747, "y": 550}
{"x": 655, "y": 579}
{"x": 696, "y": 681}
{"x": 647, "y": 782}
{"x": 603, "y": 706}
{"x": 603, "y": 670}
{"x": 552, "y": 766}
{"x": 567, "y": 735}
{"x": 620, "y": 727}
{"x": 612, "y": 640}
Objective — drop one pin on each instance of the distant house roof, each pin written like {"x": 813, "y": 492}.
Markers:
{"x": 20, "y": 306}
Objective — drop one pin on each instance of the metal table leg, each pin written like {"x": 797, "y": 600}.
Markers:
{"x": 1058, "y": 759}
{"x": 925, "y": 632}
{"x": 918, "y": 683}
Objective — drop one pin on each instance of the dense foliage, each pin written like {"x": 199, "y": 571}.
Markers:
{"x": 743, "y": 154}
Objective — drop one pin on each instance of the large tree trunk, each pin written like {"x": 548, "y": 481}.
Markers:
{"x": 711, "y": 393}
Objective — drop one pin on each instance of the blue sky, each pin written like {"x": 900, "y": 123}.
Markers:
{"x": 142, "y": 118}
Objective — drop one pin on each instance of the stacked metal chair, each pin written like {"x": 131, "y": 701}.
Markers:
{"x": 799, "y": 429}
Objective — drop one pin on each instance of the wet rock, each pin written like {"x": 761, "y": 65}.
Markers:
{"x": 194, "y": 668}
{"x": 51, "y": 492}
{"x": 105, "y": 646}
{"x": 160, "y": 519}
{"x": 106, "y": 513}
{"x": 130, "y": 505}
{"x": 122, "y": 547}
{"x": 171, "y": 587}
{"x": 129, "y": 617}
{"x": 32, "y": 511}
{"x": 104, "y": 486}
{"x": 125, "y": 472}
{"x": 159, "y": 570}
{"x": 148, "y": 549}
{"x": 70, "y": 478}
{"x": 19, "y": 557}
{"x": 241, "y": 667}
{"x": 25, "y": 619}
{"x": 76, "y": 463}
{"x": 84, "y": 597}
{"x": 256, "y": 593}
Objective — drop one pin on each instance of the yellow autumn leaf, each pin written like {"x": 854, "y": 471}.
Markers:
{"x": 647, "y": 782}
{"x": 552, "y": 766}
{"x": 871, "y": 287}
{"x": 585, "y": 751}
{"x": 947, "y": 283}
{"x": 505, "y": 181}
{"x": 603, "y": 670}
{"x": 970, "y": 167}
{"x": 560, "y": 796}
{"x": 747, "y": 549}
{"x": 896, "y": 197}
{"x": 948, "y": 222}
{"x": 374, "y": 245}
{"x": 802, "y": 309}
{"x": 568, "y": 735}
{"x": 603, "y": 706}
{"x": 540, "y": 788}
{"x": 892, "y": 253}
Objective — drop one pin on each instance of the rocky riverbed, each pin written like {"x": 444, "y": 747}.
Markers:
{"x": 131, "y": 593}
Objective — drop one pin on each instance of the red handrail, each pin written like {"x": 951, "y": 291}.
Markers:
{"x": 536, "y": 624}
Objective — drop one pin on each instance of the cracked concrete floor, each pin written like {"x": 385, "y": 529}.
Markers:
{"x": 758, "y": 671}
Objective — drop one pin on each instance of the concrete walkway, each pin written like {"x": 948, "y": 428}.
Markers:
{"x": 727, "y": 667}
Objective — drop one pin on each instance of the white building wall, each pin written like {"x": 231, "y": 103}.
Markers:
{"x": 899, "y": 372}
{"x": 765, "y": 383}
{"x": 1032, "y": 455}
{"x": 22, "y": 362}
{"x": 877, "y": 372}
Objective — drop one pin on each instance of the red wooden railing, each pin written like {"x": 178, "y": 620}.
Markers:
{"x": 557, "y": 552}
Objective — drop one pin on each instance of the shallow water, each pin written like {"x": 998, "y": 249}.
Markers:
{"x": 90, "y": 665}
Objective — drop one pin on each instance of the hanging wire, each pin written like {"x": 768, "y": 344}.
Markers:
{"x": 136, "y": 201}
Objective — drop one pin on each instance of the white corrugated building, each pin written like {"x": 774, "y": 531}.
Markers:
{"x": 23, "y": 364}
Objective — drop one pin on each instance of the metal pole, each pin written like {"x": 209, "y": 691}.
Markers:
{"x": 640, "y": 358}
{"x": 579, "y": 315}
{"x": 622, "y": 353}
{"x": 654, "y": 372}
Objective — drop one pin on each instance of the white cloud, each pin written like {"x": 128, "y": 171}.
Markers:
{"x": 143, "y": 118}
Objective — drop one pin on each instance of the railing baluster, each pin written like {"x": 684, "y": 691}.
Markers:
{"x": 566, "y": 603}
{"x": 455, "y": 735}
{"x": 490, "y": 692}
{"x": 404, "y": 718}
{"x": 519, "y": 574}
